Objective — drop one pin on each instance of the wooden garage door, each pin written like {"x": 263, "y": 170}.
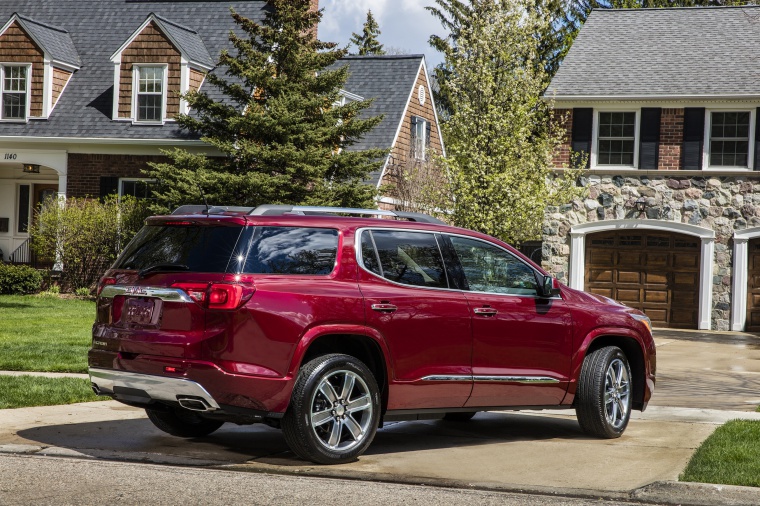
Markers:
{"x": 753, "y": 290}
{"x": 655, "y": 272}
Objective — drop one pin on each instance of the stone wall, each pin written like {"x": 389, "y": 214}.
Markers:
{"x": 723, "y": 204}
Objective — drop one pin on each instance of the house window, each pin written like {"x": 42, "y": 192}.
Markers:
{"x": 150, "y": 97}
{"x": 616, "y": 139}
{"x": 419, "y": 137}
{"x": 729, "y": 139}
{"x": 138, "y": 188}
{"x": 14, "y": 91}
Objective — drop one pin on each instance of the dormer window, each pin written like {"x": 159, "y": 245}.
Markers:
{"x": 15, "y": 92}
{"x": 150, "y": 96}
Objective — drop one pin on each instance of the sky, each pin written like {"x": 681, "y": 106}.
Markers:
{"x": 404, "y": 24}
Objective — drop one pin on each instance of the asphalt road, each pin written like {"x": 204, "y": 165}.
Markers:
{"x": 42, "y": 481}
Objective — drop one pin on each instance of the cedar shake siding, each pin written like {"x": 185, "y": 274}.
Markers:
{"x": 86, "y": 171}
{"x": 151, "y": 46}
{"x": 196, "y": 79}
{"x": 17, "y": 47}
{"x": 60, "y": 78}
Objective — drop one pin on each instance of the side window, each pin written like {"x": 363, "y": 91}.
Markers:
{"x": 411, "y": 258}
{"x": 292, "y": 250}
{"x": 491, "y": 269}
{"x": 369, "y": 255}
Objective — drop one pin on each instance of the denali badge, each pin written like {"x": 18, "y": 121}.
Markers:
{"x": 135, "y": 290}
{"x": 99, "y": 343}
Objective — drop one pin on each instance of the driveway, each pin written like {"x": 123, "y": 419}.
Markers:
{"x": 704, "y": 379}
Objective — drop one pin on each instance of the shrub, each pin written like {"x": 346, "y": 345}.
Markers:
{"x": 82, "y": 292}
{"x": 19, "y": 279}
{"x": 85, "y": 235}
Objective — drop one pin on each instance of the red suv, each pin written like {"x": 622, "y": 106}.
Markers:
{"x": 326, "y": 325}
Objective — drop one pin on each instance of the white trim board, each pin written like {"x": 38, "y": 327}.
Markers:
{"x": 740, "y": 277}
{"x": 578, "y": 233}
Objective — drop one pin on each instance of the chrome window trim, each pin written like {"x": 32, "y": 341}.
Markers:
{"x": 530, "y": 380}
{"x": 165, "y": 294}
{"x": 360, "y": 261}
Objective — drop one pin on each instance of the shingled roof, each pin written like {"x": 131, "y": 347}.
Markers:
{"x": 53, "y": 40}
{"x": 389, "y": 80}
{"x": 669, "y": 53}
{"x": 98, "y": 28}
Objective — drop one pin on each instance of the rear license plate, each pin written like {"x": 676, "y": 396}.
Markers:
{"x": 139, "y": 311}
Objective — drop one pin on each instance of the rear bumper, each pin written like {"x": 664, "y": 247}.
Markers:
{"x": 146, "y": 388}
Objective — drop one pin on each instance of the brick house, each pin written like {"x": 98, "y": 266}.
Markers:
{"x": 666, "y": 103}
{"x": 89, "y": 90}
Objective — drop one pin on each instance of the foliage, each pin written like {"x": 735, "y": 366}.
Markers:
{"x": 49, "y": 334}
{"x": 367, "y": 42}
{"x": 419, "y": 186}
{"x": 82, "y": 292}
{"x": 282, "y": 133}
{"x": 27, "y": 391}
{"x": 19, "y": 279}
{"x": 499, "y": 136}
{"x": 728, "y": 456}
{"x": 85, "y": 235}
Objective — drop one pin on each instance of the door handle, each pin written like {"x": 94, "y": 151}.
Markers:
{"x": 384, "y": 308}
{"x": 485, "y": 311}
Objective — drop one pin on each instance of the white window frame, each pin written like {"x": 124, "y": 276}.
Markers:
{"x": 595, "y": 138}
{"x": 413, "y": 136}
{"x": 131, "y": 179}
{"x": 28, "y": 66}
{"x": 707, "y": 147}
{"x": 136, "y": 91}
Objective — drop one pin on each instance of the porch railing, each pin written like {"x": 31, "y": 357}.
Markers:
{"x": 22, "y": 254}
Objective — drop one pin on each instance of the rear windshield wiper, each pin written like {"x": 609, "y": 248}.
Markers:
{"x": 163, "y": 268}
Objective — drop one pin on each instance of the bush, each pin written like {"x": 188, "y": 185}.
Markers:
{"x": 19, "y": 279}
{"x": 85, "y": 235}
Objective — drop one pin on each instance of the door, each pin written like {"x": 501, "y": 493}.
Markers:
{"x": 655, "y": 272}
{"x": 753, "y": 290}
{"x": 425, "y": 324}
{"x": 522, "y": 344}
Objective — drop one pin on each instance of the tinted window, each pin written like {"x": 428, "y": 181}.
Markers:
{"x": 292, "y": 250}
{"x": 200, "y": 248}
{"x": 369, "y": 256}
{"x": 491, "y": 269}
{"x": 412, "y": 258}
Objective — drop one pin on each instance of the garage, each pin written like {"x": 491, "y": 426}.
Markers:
{"x": 656, "y": 272}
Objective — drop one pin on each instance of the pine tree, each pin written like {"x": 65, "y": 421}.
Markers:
{"x": 367, "y": 41}
{"x": 499, "y": 137}
{"x": 272, "y": 110}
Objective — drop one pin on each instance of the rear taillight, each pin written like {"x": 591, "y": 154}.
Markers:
{"x": 216, "y": 295}
{"x": 104, "y": 282}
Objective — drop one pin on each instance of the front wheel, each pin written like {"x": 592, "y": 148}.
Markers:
{"x": 182, "y": 422}
{"x": 334, "y": 410}
{"x": 603, "y": 400}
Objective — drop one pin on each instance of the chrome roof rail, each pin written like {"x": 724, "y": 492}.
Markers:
{"x": 279, "y": 210}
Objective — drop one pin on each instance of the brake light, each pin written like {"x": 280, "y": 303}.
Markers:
{"x": 105, "y": 281}
{"x": 215, "y": 295}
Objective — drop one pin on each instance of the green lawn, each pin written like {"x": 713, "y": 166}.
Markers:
{"x": 45, "y": 333}
{"x": 730, "y": 456}
{"x": 27, "y": 391}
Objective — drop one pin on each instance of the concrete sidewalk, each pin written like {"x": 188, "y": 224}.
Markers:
{"x": 543, "y": 452}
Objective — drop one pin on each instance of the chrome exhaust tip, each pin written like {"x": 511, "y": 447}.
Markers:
{"x": 193, "y": 403}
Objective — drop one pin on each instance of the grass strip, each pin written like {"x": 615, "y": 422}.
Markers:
{"x": 45, "y": 333}
{"x": 27, "y": 391}
{"x": 729, "y": 456}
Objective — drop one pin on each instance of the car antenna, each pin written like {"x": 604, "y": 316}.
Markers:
{"x": 203, "y": 196}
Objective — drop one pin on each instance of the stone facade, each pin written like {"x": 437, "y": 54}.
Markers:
{"x": 724, "y": 204}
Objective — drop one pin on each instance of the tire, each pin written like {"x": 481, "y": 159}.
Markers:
{"x": 459, "y": 416}
{"x": 323, "y": 423}
{"x": 182, "y": 422}
{"x": 605, "y": 393}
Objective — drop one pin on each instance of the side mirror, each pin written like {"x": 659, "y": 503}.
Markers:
{"x": 548, "y": 288}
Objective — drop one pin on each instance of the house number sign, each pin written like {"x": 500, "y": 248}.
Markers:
{"x": 10, "y": 156}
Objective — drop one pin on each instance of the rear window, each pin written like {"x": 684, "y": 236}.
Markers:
{"x": 292, "y": 250}
{"x": 200, "y": 248}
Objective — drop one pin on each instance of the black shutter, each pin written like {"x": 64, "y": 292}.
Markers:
{"x": 108, "y": 186}
{"x": 756, "y": 166}
{"x": 581, "y": 141}
{"x": 649, "y": 143}
{"x": 693, "y": 138}
{"x": 427, "y": 135}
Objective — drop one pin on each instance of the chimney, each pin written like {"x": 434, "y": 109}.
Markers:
{"x": 314, "y": 7}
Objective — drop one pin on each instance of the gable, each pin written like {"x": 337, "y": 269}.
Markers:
{"x": 16, "y": 46}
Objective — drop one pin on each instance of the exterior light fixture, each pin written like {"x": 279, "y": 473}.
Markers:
{"x": 641, "y": 204}
{"x": 31, "y": 168}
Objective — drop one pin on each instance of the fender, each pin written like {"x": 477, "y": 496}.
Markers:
{"x": 314, "y": 333}
{"x": 580, "y": 354}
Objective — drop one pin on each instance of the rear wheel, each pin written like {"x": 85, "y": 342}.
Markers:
{"x": 604, "y": 397}
{"x": 459, "y": 416}
{"x": 182, "y": 422}
{"x": 334, "y": 410}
